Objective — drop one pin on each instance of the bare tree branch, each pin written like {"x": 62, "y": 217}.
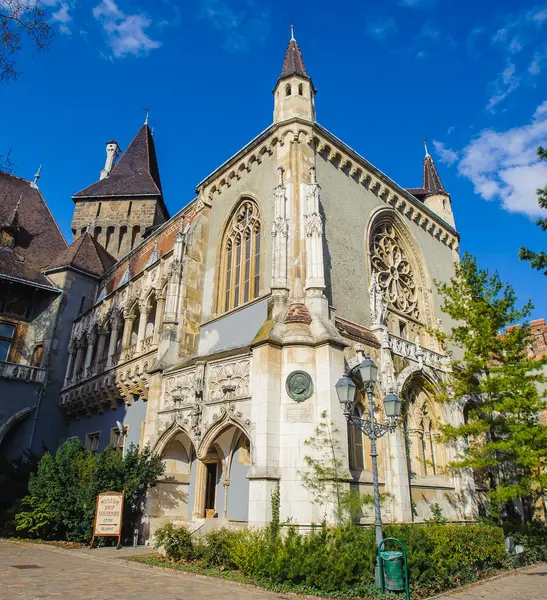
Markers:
{"x": 18, "y": 17}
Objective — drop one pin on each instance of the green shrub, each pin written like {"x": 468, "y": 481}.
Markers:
{"x": 177, "y": 543}
{"x": 62, "y": 493}
{"x": 215, "y": 548}
{"x": 533, "y": 536}
{"x": 341, "y": 559}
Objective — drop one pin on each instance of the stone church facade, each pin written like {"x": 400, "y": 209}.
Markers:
{"x": 296, "y": 255}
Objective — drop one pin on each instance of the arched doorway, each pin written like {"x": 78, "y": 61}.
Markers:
{"x": 173, "y": 495}
{"x": 222, "y": 487}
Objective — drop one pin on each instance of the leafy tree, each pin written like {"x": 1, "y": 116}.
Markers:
{"x": 538, "y": 260}
{"x": 19, "y": 18}
{"x": 506, "y": 442}
{"x": 62, "y": 494}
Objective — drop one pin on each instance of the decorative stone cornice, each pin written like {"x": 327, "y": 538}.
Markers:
{"x": 363, "y": 173}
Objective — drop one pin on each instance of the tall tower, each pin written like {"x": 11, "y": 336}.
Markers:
{"x": 294, "y": 94}
{"x": 127, "y": 201}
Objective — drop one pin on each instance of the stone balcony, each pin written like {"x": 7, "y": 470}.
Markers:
{"x": 417, "y": 353}
{"x": 22, "y": 372}
{"x": 122, "y": 379}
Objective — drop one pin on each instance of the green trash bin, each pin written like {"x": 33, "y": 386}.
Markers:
{"x": 394, "y": 576}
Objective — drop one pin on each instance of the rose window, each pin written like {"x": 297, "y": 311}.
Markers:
{"x": 393, "y": 271}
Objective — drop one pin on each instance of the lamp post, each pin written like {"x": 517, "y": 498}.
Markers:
{"x": 365, "y": 376}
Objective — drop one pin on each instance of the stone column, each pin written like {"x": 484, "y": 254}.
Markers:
{"x": 226, "y": 484}
{"x": 70, "y": 364}
{"x": 160, "y": 309}
{"x": 315, "y": 271}
{"x": 397, "y": 477}
{"x": 100, "y": 348}
{"x": 315, "y": 268}
{"x": 143, "y": 318}
{"x": 91, "y": 339}
{"x": 113, "y": 342}
{"x": 280, "y": 235}
{"x": 78, "y": 359}
{"x": 128, "y": 319}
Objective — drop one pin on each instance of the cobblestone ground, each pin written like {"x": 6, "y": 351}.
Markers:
{"x": 527, "y": 584}
{"x": 29, "y": 572}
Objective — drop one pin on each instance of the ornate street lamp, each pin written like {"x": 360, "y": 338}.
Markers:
{"x": 364, "y": 376}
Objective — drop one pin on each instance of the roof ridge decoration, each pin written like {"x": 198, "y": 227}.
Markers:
{"x": 135, "y": 174}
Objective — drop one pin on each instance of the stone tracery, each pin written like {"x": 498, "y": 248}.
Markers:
{"x": 393, "y": 271}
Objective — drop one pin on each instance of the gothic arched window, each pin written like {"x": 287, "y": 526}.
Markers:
{"x": 240, "y": 259}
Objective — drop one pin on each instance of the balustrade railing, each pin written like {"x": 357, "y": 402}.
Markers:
{"x": 413, "y": 351}
{"x": 147, "y": 343}
{"x": 22, "y": 372}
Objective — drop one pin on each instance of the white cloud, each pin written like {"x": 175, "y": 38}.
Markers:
{"x": 537, "y": 63}
{"x": 61, "y": 14}
{"x": 521, "y": 40}
{"x": 241, "y": 26}
{"x": 504, "y": 85}
{"x": 503, "y": 165}
{"x": 381, "y": 27}
{"x": 126, "y": 33}
{"x": 537, "y": 15}
{"x": 446, "y": 155}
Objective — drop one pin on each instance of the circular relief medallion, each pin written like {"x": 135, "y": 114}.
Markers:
{"x": 299, "y": 386}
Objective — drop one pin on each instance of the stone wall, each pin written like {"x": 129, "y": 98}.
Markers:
{"x": 118, "y": 225}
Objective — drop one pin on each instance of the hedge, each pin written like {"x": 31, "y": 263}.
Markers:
{"x": 340, "y": 560}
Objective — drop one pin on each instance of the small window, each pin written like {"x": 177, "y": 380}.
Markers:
{"x": 92, "y": 441}
{"x": 116, "y": 438}
{"x": 123, "y": 233}
{"x": 7, "y": 335}
{"x": 129, "y": 209}
{"x": 37, "y": 355}
{"x": 288, "y": 89}
{"x": 402, "y": 330}
{"x": 300, "y": 89}
{"x": 82, "y": 305}
{"x": 98, "y": 210}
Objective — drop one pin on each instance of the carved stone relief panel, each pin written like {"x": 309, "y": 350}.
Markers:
{"x": 228, "y": 380}
{"x": 179, "y": 389}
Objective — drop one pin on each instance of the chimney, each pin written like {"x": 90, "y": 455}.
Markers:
{"x": 112, "y": 153}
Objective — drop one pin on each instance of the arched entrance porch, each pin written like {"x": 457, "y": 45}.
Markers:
{"x": 222, "y": 487}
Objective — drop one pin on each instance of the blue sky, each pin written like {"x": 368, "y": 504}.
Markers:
{"x": 468, "y": 75}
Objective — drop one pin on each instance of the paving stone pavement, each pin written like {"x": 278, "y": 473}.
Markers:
{"x": 60, "y": 573}
{"x": 94, "y": 574}
{"x": 526, "y": 584}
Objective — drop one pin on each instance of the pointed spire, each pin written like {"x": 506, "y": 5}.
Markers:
{"x": 34, "y": 184}
{"x": 293, "y": 63}
{"x": 432, "y": 183}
